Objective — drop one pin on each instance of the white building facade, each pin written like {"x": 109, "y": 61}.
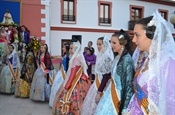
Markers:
{"x": 95, "y": 18}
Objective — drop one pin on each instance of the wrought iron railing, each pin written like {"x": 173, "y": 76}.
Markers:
{"x": 105, "y": 20}
{"x": 68, "y": 17}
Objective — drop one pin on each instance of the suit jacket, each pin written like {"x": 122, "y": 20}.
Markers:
{"x": 26, "y": 37}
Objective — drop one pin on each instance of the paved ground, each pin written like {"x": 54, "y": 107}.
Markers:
{"x": 10, "y": 105}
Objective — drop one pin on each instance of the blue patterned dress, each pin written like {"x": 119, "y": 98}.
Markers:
{"x": 58, "y": 80}
{"x": 40, "y": 87}
{"x": 6, "y": 79}
{"x": 122, "y": 75}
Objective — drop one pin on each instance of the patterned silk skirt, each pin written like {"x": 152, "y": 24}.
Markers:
{"x": 75, "y": 102}
{"x": 6, "y": 81}
{"x": 57, "y": 83}
{"x": 22, "y": 88}
{"x": 40, "y": 89}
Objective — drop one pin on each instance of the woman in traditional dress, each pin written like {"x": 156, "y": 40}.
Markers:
{"x": 3, "y": 33}
{"x": 24, "y": 82}
{"x": 60, "y": 76}
{"x": 16, "y": 37}
{"x": 102, "y": 69}
{"x": 18, "y": 80}
{"x": 22, "y": 51}
{"x": 10, "y": 72}
{"x": 116, "y": 98}
{"x": 4, "y": 50}
{"x": 43, "y": 77}
{"x": 76, "y": 85}
{"x": 155, "y": 77}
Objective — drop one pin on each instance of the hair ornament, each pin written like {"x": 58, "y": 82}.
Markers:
{"x": 121, "y": 36}
{"x": 45, "y": 45}
{"x": 151, "y": 23}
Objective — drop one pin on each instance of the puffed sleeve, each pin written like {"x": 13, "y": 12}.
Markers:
{"x": 71, "y": 77}
{"x": 127, "y": 90}
{"x": 104, "y": 81}
{"x": 48, "y": 63}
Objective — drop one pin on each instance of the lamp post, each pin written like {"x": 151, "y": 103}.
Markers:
{"x": 172, "y": 19}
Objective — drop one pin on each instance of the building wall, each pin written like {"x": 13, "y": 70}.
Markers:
{"x": 31, "y": 16}
{"x": 87, "y": 13}
{"x": 46, "y": 20}
{"x": 86, "y": 36}
{"x": 43, "y": 18}
{"x": 87, "y": 19}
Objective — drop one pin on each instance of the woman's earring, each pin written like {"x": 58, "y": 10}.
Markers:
{"x": 122, "y": 48}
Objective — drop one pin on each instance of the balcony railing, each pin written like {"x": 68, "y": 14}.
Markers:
{"x": 105, "y": 20}
{"x": 68, "y": 17}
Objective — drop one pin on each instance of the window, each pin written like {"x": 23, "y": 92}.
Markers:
{"x": 136, "y": 12}
{"x": 68, "y": 11}
{"x": 105, "y": 13}
{"x": 164, "y": 13}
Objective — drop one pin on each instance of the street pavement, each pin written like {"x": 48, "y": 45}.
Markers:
{"x": 10, "y": 105}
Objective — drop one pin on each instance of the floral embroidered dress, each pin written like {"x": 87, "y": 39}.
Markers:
{"x": 59, "y": 79}
{"x": 154, "y": 80}
{"x": 25, "y": 79}
{"x": 76, "y": 84}
{"x": 119, "y": 92}
{"x": 102, "y": 69}
{"x": 41, "y": 85}
{"x": 10, "y": 73}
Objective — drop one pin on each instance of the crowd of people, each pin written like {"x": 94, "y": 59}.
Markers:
{"x": 110, "y": 83}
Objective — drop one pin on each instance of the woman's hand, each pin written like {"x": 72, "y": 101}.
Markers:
{"x": 97, "y": 97}
{"x": 14, "y": 81}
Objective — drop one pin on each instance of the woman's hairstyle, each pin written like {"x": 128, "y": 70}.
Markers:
{"x": 45, "y": 46}
{"x": 101, "y": 38}
{"x": 90, "y": 42}
{"x": 20, "y": 46}
{"x": 147, "y": 26}
{"x": 12, "y": 46}
{"x": 85, "y": 48}
{"x": 91, "y": 50}
{"x": 28, "y": 49}
{"x": 124, "y": 39}
{"x": 67, "y": 46}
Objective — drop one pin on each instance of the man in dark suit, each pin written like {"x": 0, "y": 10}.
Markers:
{"x": 25, "y": 35}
